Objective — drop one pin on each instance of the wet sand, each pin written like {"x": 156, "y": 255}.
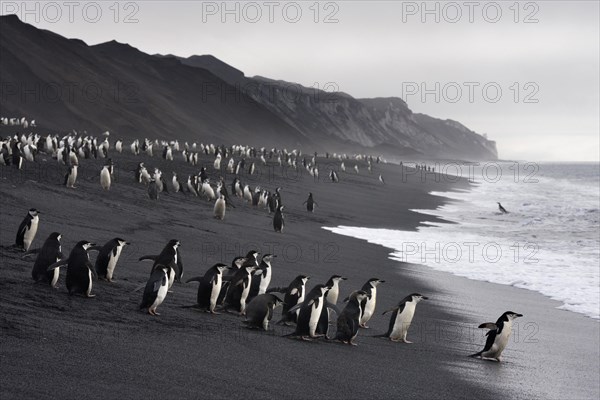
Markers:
{"x": 56, "y": 346}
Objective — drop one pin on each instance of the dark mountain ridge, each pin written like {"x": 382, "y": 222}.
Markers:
{"x": 65, "y": 84}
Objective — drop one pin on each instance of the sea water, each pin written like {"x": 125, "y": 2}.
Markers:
{"x": 548, "y": 242}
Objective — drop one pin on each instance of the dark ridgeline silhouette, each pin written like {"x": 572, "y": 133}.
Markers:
{"x": 207, "y": 94}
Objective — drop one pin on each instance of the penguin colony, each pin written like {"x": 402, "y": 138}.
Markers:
{"x": 243, "y": 286}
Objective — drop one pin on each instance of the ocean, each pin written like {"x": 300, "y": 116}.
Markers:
{"x": 548, "y": 242}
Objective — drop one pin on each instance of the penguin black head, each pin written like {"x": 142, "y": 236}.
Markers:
{"x": 375, "y": 281}
{"x": 323, "y": 288}
{"x": 34, "y": 212}
{"x": 418, "y": 297}
{"x": 238, "y": 262}
{"x": 252, "y": 254}
{"x": 55, "y": 235}
{"x": 268, "y": 257}
{"x": 174, "y": 243}
{"x": 84, "y": 244}
{"x": 359, "y": 295}
{"x": 302, "y": 278}
{"x": 221, "y": 267}
{"x": 122, "y": 242}
{"x": 510, "y": 315}
{"x": 276, "y": 301}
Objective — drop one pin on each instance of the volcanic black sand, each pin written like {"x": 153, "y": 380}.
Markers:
{"x": 56, "y": 346}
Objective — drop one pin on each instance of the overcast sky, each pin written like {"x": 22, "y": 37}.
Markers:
{"x": 542, "y": 56}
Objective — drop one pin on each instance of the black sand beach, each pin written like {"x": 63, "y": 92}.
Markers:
{"x": 56, "y": 346}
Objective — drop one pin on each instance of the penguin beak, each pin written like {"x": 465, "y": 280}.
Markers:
{"x": 424, "y": 297}
{"x": 344, "y": 279}
{"x": 381, "y": 281}
{"x": 127, "y": 243}
{"x": 518, "y": 315}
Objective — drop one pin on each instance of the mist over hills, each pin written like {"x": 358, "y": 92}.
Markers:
{"x": 65, "y": 84}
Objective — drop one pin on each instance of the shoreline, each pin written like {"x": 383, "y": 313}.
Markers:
{"x": 108, "y": 347}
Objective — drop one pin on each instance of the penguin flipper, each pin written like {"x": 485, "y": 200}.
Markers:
{"x": 333, "y": 307}
{"x": 390, "y": 310}
{"x": 31, "y": 252}
{"x": 296, "y": 307}
{"x": 92, "y": 269}
{"x": 488, "y": 325}
{"x": 58, "y": 264}
{"x": 277, "y": 290}
{"x": 142, "y": 258}
{"x": 158, "y": 284}
{"x": 195, "y": 279}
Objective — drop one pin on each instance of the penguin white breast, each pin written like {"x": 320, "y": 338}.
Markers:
{"x": 264, "y": 282}
{"x": 55, "y": 275}
{"x": 89, "y": 289}
{"x": 315, "y": 314}
{"x": 333, "y": 294}
{"x": 30, "y": 233}
{"x": 105, "y": 178}
{"x": 216, "y": 289}
{"x": 500, "y": 341}
{"x": 403, "y": 320}
{"x": 171, "y": 276}
{"x": 160, "y": 296}
{"x": 369, "y": 306}
{"x": 112, "y": 262}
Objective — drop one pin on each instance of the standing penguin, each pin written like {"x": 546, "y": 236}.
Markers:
{"x": 334, "y": 176}
{"x": 153, "y": 189}
{"x": 262, "y": 277}
{"x": 156, "y": 289}
{"x": 79, "y": 269}
{"x": 349, "y": 319}
{"x": 332, "y": 297}
{"x": 278, "y": 222}
{"x": 48, "y": 255}
{"x": 71, "y": 176}
{"x": 368, "y": 304}
{"x": 105, "y": 180}
{"x": 170, "y": 257}
{"x": 210, "y": 287}
{"x": 107, "y": 258}
{"x": 294, "y": 294}
{"x": 177, "y": 186}
{"x": 239, "y": 288}
{"x": 402, "y": 316}
{"x": 236, "y": 264}
{"x": 27, "y": 230}
{"x": 220, "y": 206}
{"x": 502, "y": 209}
{"x": 310, "y": 311}
{"x": 497, "y": 336}
{"x": 260, "y": 311}
{"x": 310, "y": 203}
